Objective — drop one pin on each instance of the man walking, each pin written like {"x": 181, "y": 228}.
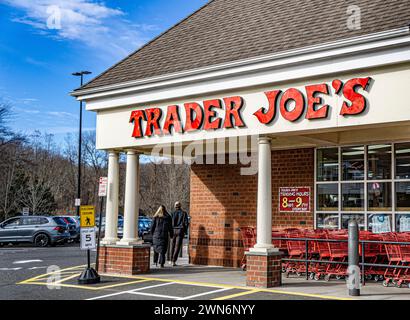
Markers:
{"x": 180, "y": 224}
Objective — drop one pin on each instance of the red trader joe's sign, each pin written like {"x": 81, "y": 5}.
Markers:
{"x": 294, "y": 199}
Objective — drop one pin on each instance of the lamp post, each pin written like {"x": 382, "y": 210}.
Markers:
{"x": 89, "y": 275}
{"x": 81, "y": 75}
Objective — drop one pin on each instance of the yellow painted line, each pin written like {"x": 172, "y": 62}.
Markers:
{"x": 240, "y": 294}
{"x": 48, "y": 274}
{"x": 84, "y": 287}
{"x": 68, "y": 278}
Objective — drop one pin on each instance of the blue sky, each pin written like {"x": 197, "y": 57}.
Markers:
{"x": 43, "y": 41}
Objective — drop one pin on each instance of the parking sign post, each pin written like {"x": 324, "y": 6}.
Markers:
{"x": 87, "y": 224}
{"x": 102, "y": 192}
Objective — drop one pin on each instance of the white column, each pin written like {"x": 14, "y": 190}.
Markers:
{"x": 111, "y": 212}
{"x": 264, "y": 209}
{"x": 131, "y": 201}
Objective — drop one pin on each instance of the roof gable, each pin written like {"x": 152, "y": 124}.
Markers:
{"x": 230, "y": 30}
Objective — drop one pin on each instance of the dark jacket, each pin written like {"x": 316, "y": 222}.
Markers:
{"x": 161, "y": 230}
{"x": 180, "y": 220}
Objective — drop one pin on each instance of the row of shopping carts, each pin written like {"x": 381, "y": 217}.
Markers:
{"x": 327, "y": 253}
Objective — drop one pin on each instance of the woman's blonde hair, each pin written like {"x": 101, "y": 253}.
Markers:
{"x": 160, "y": 212}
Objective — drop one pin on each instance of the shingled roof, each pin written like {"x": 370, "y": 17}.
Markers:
{"x": 229, "y": 30}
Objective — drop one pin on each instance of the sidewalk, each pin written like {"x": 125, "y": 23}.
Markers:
{"x": 297, "y": 285}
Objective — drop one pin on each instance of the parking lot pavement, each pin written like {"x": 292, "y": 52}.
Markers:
{"x": 65, "y": 284}
{"x": 52, "y": 273}
{"x": 21, "y": 262}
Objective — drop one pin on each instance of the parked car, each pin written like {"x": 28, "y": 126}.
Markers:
{"x": 39, "y": 230}
{"x": 73, "y": 227}
{"x": 144, "y": 225}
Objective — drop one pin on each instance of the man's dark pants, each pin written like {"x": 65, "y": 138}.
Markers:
{"x": 177, "y": 243}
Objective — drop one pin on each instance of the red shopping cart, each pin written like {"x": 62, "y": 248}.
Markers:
{"x": 248, "y": 241}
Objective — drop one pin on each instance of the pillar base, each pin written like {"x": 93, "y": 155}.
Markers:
{"x": 129, "y": 242}
{"x": 126, "y": 260}
{"x": 263, "y": 268}
{"x": 109, "y": 241}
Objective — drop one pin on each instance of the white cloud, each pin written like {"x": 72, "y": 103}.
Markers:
{"x": 62, "y": 114}
{"x": 92, "y": 23}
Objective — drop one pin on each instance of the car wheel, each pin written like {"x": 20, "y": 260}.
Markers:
{"x": 41, "y": 240}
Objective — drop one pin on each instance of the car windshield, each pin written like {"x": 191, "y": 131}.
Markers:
{"x": 70, "y": 220}
{"x": 59, "y": 220}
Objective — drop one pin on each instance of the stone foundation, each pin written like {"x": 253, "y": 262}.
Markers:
{"x": 127, "y": 260}
{"x": 263, "y": 269}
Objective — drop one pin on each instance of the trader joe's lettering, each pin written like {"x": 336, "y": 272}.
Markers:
{"x": 205, "y": 116}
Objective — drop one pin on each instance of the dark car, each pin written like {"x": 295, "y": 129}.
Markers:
{"x": 73, "y": 227}
{"x": 39, "y": 230}
{"x": 144, "y": 228}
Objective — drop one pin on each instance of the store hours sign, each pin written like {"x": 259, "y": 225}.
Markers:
{"x": 294, "y": 199}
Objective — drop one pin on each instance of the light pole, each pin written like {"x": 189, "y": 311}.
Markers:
{"x": 89, "y": 275}
{"x": 81, "y": 75}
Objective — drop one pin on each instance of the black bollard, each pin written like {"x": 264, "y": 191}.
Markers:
{"x": 353, "y": 251}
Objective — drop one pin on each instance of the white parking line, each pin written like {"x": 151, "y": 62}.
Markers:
{"x": 35, "y": 268}
{"x": 27, "y": 261}
{"x": 11, "y": 269}
{"x": 204, "y": 294}
{"x": 155, "y": 295}
{"x": 131, "y": 291}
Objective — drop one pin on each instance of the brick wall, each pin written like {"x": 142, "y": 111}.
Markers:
{"x": 222, "y": 201}
{"x": 128, "y": 260}
{"x": 263, "y": 271}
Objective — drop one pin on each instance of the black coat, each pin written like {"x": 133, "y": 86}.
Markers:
{"x": 161, "y": 230}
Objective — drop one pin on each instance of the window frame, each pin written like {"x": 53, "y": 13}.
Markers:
{"x": 366, "y": 212}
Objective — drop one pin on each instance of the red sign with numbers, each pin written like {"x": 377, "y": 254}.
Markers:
{"x": 294, "y": 199}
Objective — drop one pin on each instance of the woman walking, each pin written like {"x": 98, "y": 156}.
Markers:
{"x": 161, "y": 230}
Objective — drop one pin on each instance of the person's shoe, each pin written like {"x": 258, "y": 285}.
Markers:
{"x": 156, "y": 264}
{"x": 162, "y": 266}
{"x": 174, "y": 264}
{"x": 170, "y": 262}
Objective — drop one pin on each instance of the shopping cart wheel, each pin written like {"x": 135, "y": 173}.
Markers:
{"x": 339, "y": 277}
{"x": 398, "y": 284}
{"x": 378, "y": 277}
{"x": 283, "y": 269}
{"x": 287, "y": 274}
{"x": 385, "y": 283}
{"x": 327, "y": 277}
{"x": 312, "y": 276}
{"x": 298, "y": 274}
{"x": 317, "y": 277}
{"x": 369, "y": 277}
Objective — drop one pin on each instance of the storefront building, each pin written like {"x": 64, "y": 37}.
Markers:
{"x": 320, "y": 109}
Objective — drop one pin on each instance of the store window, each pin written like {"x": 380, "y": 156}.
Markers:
{"x": 327, "y": 195}
{"x": 402, "y": 155}
{"x": 379, "y": 162}
{"x": 403, "y": 222}
{"x": 380, "y": 223}
{"x": 379, "y": 196}
{"x": 353, "y": 163}
{"x": 327, "y": 221}
{"x": 328, "y": 164}
{"x": 403, "y": 196}
{"x": 368, "y": 183}
{"x": 353, "y": 196}
{"x": 358, "y": 217}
